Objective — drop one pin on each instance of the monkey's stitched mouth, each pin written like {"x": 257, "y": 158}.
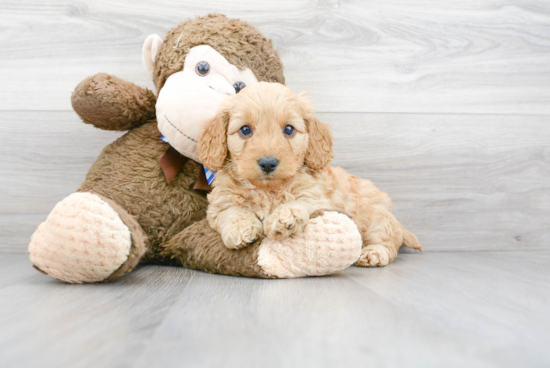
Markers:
{"x": 179, "y": 131}
{"x": 212, "y": 88}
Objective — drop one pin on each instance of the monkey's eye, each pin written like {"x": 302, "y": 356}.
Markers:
{"x": 238, "y": 86}
{"x": 202, "y": 68}
{"x": 245, "y": 131}
{"x": 289, "y": 130}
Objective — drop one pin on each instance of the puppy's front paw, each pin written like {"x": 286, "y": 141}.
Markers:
{"x": 242, "y": 232}
{"x": 374, "y": 255}
{"x": 285, "y": 221}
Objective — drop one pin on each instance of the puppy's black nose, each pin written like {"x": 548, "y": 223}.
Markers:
{"x": 268, "y": 164}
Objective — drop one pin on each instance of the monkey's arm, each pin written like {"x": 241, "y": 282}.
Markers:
{"x": 110, "y": 103}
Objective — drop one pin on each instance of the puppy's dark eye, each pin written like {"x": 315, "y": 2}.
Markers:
{"x": 289, "y": 131}
{"x": 238, "y": 86}
{"x": 202, "y": 68}
{"x": 245, "y": 131}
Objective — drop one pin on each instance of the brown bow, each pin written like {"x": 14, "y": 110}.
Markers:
{"x": 171, "y": 164}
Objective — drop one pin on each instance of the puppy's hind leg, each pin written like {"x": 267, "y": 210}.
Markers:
{"x": 381, "y": 240}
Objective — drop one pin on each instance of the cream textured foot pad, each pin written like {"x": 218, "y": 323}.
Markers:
{"x": 329, "y": 243}
{"x": 82, "y": 240}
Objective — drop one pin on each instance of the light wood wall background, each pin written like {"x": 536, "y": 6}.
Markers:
{"x": 444, "y": 105}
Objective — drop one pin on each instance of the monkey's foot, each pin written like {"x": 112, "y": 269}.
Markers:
{"x": 329, "y": 243}
{"x": 84, "y": 239}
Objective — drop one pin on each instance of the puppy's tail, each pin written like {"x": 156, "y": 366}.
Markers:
{"x": 411, "y": 241}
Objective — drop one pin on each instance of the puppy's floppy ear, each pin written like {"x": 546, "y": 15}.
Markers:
{"x": 212, "y": 145}
{"x": 319, "y": 150}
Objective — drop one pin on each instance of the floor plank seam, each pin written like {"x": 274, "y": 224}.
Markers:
{"x": 145, "y": 343}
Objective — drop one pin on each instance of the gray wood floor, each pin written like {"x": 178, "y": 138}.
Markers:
{"x": 444, "y": 105}
{"x": 466, "y": 309}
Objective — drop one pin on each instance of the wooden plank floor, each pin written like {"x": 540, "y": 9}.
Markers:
{"x": 467, "y": 309}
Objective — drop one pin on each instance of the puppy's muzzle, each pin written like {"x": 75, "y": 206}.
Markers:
{"x": 268, "y": 164}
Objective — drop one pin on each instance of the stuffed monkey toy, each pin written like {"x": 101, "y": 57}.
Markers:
{"x": 144, "y": 199}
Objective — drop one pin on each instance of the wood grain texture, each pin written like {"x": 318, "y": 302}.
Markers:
{"x": 490, "y": 56}
{"x": 469, "y": 309}
{"x": 44, "y": 156}
{"x": 46, "y": 323}
{"x": 460, "y": 182}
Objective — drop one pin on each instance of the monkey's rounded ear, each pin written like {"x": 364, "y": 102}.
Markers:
{"x": 149, "y": 52}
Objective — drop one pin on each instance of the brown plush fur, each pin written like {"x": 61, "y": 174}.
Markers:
{"x": 128, "y": 173}
{"x": 247, "y": 203}
{"x": 199, "y": 247}
{"x": 239, "y": 42}
{"x": 110, "y": 103}
{"x": 166, "y": 218}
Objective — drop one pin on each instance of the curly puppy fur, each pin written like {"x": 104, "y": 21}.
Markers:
{"x": 247, "y": 203}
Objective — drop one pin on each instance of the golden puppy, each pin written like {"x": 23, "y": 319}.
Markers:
{"x": 272, "y": 157}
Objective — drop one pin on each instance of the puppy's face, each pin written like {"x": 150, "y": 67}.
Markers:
{"x": 264, "y": 135}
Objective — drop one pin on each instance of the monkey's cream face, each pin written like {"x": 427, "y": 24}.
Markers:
{"x": 190, "y": 97}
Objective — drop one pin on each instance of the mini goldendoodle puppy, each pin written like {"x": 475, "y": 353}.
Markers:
{"x": 272, "y": 157}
